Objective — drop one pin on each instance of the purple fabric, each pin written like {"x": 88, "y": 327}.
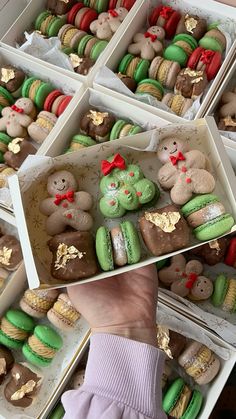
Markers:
{"x": 122, "y": 381}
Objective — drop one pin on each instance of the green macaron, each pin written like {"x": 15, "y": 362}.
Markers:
{"x": 158, "y": 88}
{"x": 220, "y": 290}
{"x": 131, "y": 240}
{"x": 102, "y": 5}
{"x": 173, "y": 395}
{"x": 126, "y": 60}
{"x": 41, "y": 94}
{"x": 97, "y": 49}
{"x": 189, "y": 39}
{"x": 213, "y": 228}
{"x": 82, "y": 44}
{"x": 47, "y": 339}
{"x": 6, "y": 95}
{"x": 41, "y": 17}
{"x": 27, "y": 85}
{"x": 55, "y": 25}
{"x": 117, "y": 127}
{"x": 57, "y": 413}
{"x": 209, "y": 43}
{"x": 176, "y": 53}
{"x": 141, "y": 70}
{"x": 83, "y": 140}
{"x": 15, "y": 327}
{"x": 104, "y": 249}
{"x": 4, "y": 139}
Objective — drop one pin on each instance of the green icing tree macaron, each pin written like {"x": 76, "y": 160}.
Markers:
{"x": 42, "y": 346}
{"x": 118, "y": 247}
{"x": 15, "y": 328}
{"x": 172, "y": 400}
{"x": 207, "y": 215}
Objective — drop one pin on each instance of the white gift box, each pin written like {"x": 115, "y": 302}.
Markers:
{"x": 9, "y": 11}
{"x": 74, "y": 344}
{"x": 27, "y": 191}
{"x": 66, "y": 84}
{"x": 25, "y": 22}
{"x": 208, "y": 9}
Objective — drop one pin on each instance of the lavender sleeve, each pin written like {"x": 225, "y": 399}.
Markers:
{"x": 122, "y": 381}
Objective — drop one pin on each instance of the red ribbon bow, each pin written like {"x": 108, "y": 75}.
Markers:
{"x": 150, "y": 35}
{"x": 113, "y": 13}
{"x": 69, "y": 196}
{"x": 107, "y": 167}
{"x": 15, "y": 108}
{"x": 165, "y": 12}
{"x": 207, "y": 56}
{"x": 192, "y": 277}
{"x": 179, "y": 157}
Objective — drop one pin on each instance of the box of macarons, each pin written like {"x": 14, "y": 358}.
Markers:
{"x": 33, "y": 100}
{"x": 184, "y": 344}
{"x": 176, "y": 52}
{"x": 73, "y": 35}
{"x": 124, "y": 187}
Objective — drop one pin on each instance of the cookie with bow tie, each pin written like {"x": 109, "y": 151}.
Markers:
{"x": 66, "y": 206}
{"x": 149, "y": 44}
{"x": 16, "y": 118}
{"x": 184, "y": 172}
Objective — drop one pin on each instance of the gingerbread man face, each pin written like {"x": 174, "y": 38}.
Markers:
{"x": 61, "y": 182}
{"x": 157, "y": 31}
{"x": 25, "y": 104}
{"x": 121, "y": 12}
{"x": 170, "y": 147}
{"x": 202, "y": 289}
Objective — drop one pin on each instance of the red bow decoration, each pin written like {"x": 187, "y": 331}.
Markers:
{"x": 15, "y": 108}
{"x": 150, "y": 35}
{"x": 192, "y": 277}
{"x": 179, "y": 157}
{"x": 113, "y": 13}
{"x": 207, "y": 56}
{"x": 165, "y": 12}
{"x": 69, "y": 196}
{"x": 107, "y": 167}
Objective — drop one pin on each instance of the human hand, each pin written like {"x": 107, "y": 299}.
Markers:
{"x": 123, "y": 305}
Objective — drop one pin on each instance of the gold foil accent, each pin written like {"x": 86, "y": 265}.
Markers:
{"x": 229, "y": 122}
{"x": 193, "y": 73}
{"x": 7, "y": 75}
{"x": 65, "y": 1}
{"x": 97, "y": 117}
{"x": 25, "y": 389}
{"x": 163, "y": 339}
{"x": 5, "y": 256}
{"x": 214, "y": 244}
{"x": 190, "y": 23}
{"x": 165, "y": 221}
{"x": 65, "y": 253}
{"x": 197, "y": 80}
{"x": 75, "y": 60}
{"x": 14, "y": 145}
{"x": 3, "y": 366}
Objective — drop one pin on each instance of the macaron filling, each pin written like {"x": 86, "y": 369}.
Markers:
{"x": 208, "y": 213}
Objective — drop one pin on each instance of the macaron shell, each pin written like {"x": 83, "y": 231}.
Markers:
{"x": 10, "y": 342}
{"x": 48, "y": 337}
{"x": 213, "y": 67}
{"x": 7, "y": 95}
{"x": 26, "y": 86}
{"x": 132, "y": 243}
{"x": 20, "y": 320}
{"x": 197, "y": 203}
{"x": 215, "y": 228}
{"x": 194, "y": 406}
{"x": 55, "y": 26}
{"x": 210, "y": 43}
{"x": 34, "y": 358}
{"x": 63, "y": 104}
{"x": 175, "y": 53}
{"x": 41, "y": 17}
{"x": 211, "y": 372}
{"x": 171, "y": 24}
{"x": 231, "y": 253}
{"x": 50, "y": 99}
{"x": 41, "y": 94}
{"x": 82, "y": 44}
{"x": 104, "y": 249}
{"x": 97, "y": 49}
{"x": 194, "y": 58}
{"x": 172, "y": 395}
{"x": 102, "y": 5}
{"x": 141, "y": 71}
{"x": 73, "y": 12}
{"x": 117, "y": 127}
{"x": 84, "y": 140}
{"x": 89, "y": 16}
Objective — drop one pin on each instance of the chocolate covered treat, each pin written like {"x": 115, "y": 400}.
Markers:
{"x": 172, "y": 343}
{"x": 6, "y": 362}
{"x": 12, "y": 78}
{"x": 190, "y": 83}
{"x": 59, "y": 7}
{"x": 212, "y": 252}
{"x": 81, "y": 65}
{"x": 22, "y": 387}
{"x": 128, "y": 81}
{"x": 164, "y": 230}
{"x": 97, "y": 124}
{"x": 18, "y": 150}
{"x": 10, "y": 252}
{"x": 227, "y": 111}
{"x": 74, "y": 256}
{"x": 192, "y": 25}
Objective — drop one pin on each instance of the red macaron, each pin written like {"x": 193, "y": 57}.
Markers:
{"x": 128, "y": 4}
{"x": 112, "y": 4}
{"x": 170, "y": 16}
{"x": 88, "y": 17}
{"x": 204, "y": 59}
{"x": 231, "y": 253}
{"x": 50, "y": 99}
{"x": 73, "y": 12}
{"x": 63, "y": 104}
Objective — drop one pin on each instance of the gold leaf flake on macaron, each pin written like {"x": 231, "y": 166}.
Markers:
{"x": 5, "y": 256}
{"x": 7, "y": 74}
{"x": 24, "y": 390}
{"x": 14, "y": 145}
{"x": 65, "y": 254}
{"x": 229, "y": 122}
{"x": 75, "y": 60}
{"x": 190, "y": 23}
{"x": 165, "y": 221}
{"x": 97, "y": 117}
